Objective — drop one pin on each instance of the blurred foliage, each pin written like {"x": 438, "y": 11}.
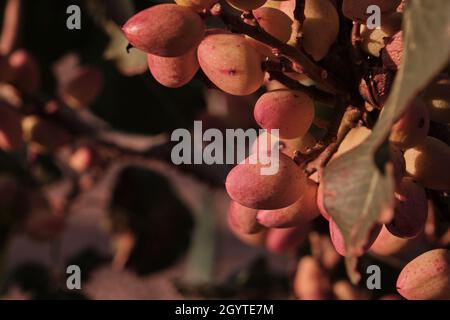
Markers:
{"x": 36, "y": 280}
{"x": 145, "y": 205}
{"x": 135, "y": 104}
{"x": 88, "y": 260}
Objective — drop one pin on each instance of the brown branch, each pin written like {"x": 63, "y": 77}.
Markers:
{"x": 299, "y": 11}
{"x": 109, "y": 143}
{"x": 85, "y": 125}
{"x": 299, "y": 19}
{"x": 313, "y": 92}
{"x": 345, "y": 119}
{"x": 10, "y": 35}
{"x": 300, "y": 61}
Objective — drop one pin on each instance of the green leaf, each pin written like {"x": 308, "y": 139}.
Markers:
{"x": 357, "y": 194}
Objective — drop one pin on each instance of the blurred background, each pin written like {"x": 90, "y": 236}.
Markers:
{"x": 98, "y": 189}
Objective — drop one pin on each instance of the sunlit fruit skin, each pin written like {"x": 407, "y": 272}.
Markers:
{"x": 374, "y": 40}
{"x": 290, "y": 111}
{"x": 320, "y": 28}
{"x": 276, "y": 23}
{"x": 84, "y": 88}
{"x": 311, "y": 281}
{"x": 26, "y": 73}
{"x": 427, "y": 277}
{"x": 285, "y": 240}
{"x": 197, "y": 5}
{"x": 247, "y": 186}
{"x": 273, "y": 4}
{"x": 246, "y": 5}
{"x": 428, "y": 164}
{"x": 354, "y": 138}
{"x": 338, "y": 239}
{"x": 356, "y": 10}
{"x": 174, "y": 72}
{"x": 301, "y": 212}
{"x": 412, "y": 128}
{"x": 165, "y": 30}
{"x": 45, "y": 135}
{"x": 411, "y": 209}
{"x": 231, "y": 63}
{"x": 388, "y": 245}
{"x": 288, "y": 8}
{"x": 437, "y": 99}
{"x": 243, "y": 219}
{"x": 393, "y": 52}
{"x": 11, "y": 137}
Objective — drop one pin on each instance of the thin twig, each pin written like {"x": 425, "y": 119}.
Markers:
{"x": 300, "y": 61}
{"x": 299, "y": 19}
{"x": 299, "y": 11}
{"x": 312, "y": 91}
{"x": 87, "y": 125}
{"x": 325, "y": 149}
